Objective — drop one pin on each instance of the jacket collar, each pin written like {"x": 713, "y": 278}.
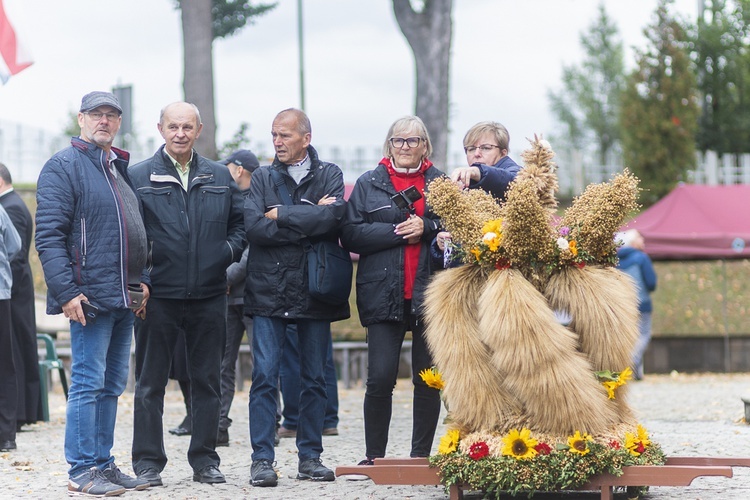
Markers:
{"x": 164, "y": 171}
{"x": 96, "y": 153}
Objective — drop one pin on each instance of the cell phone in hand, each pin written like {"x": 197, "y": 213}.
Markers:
{"x": 90, "y": 311}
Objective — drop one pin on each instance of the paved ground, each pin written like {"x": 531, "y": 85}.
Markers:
{"x": 687, "y": 414}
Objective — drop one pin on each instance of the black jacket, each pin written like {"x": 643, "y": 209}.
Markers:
{"x": 368, "y": 230}
{"x": 192, "y": 236}
{"x": 277, "y": 285}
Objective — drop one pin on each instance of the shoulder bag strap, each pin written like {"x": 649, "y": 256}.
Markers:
{"x": 286, "y": 197}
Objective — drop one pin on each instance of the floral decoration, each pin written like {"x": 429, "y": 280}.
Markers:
{"x": 492, "y": 462}
{"x": 479, "y": 450}
{"x": 579, "y": 443}
{"x": 433, "y": 378}
{"x": 613, "y": 380}
{"x": 519, "y": 444}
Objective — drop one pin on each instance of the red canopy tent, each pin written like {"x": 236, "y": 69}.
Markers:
{"x": 698, "y": 222}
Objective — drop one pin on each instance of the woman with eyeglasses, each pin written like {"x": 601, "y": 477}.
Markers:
{"x": 490, "y": 167}
{"x": 390, "y": 226}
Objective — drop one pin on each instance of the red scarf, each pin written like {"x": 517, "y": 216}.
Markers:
{"x": 401, "y": 181}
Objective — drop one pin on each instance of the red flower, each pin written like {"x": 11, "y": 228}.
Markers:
{"x": 640, "y": 448}
{"x": 580, "y": 265}
{"x": 479, "y": 450}
{"x": 614, "y": 444}
{"x": 502, "y": 264}
{"x": 676, "y": 121}
{"x": 543, "y": 449}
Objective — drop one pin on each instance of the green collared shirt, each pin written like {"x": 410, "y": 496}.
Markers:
{"x": 184, "y": 173}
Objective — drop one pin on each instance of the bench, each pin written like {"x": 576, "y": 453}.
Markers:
{"x": 677, "y": 471}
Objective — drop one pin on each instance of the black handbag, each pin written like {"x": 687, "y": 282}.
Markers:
{"x": 329, "y": 266}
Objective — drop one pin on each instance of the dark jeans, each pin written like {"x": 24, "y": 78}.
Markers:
{"x": 237, "y": 325}
{"x": 204, "y": 324}
{"x": 384, "y": 342}
{"x": 8, "y": 387}
{"x": 269, "y": 337}
{"x": 290, "y": 383}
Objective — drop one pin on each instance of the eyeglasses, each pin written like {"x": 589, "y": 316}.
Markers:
{"x": 97, "y": 115}
{"x": 484, "y": 148}
{"x": 398, "y": 142}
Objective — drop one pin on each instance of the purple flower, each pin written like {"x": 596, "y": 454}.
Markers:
{"x": 564, "y": 231}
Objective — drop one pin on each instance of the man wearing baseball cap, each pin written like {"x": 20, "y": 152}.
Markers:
{"x": 92, "y": 244}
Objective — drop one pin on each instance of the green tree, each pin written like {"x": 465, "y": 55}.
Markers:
{"x": 721, "y": 50}
{"x": 588, "y": 105}
{"x": 660, "y": 108}
{"x": 429, "y": 32}
{"x": 202, "y": 22}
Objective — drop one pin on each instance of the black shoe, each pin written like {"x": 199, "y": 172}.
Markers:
{"x": 152, "y": 476}
{"x": 180, "y": 431}
{"x": 7, "y": 445}
{"x": 262, "y": 473}
{"x": 367, "y": 461}
{"x": 115, "y": 476}
{"x": 223, "y": 438}
{"x": 209, "y": 474}
{"x": 313, "y": 469}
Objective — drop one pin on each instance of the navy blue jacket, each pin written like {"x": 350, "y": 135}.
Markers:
{"x": 638, "y": 265}
{"x": 80, "y": 233}
{"x": 192, "y": 236}
{"x": 496, "y": 178}
{"x": 368, "y": 230}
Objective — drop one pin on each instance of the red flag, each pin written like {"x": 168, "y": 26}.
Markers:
{"x": 12, "y": 58}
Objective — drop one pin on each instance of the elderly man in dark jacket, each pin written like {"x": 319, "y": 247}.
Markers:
{"x": 92, "y": 245}
{"x": 192, "y": 210}
{"x": 277, "y": 290}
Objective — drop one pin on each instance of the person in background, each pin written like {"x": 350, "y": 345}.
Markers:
{"x": 392, "y": 238}
{"x": 10, "y": 246}
{"x": 92, "y": 244}
{"x": 192, "y": 210}
{"x": 490, "y": 168}
{"x": 634, "y": 261}
{"x": 278, "y": 291}
{"x": 241, "y": 164}
{"x": 22, "y": 310}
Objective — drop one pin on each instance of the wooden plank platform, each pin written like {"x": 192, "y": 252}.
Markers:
{"x": 678, "y": 471}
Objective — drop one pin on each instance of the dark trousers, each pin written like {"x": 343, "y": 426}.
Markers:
{"x": 384, "y": 342}
{"x": 204, "y": 325}
{"x": 23, "y": 319}
{"x": 8, "y": 387}
{"x": 237, "y": 325}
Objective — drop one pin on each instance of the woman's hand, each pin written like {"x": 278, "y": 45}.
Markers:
{"x": 411, "y": 229}
{"x": 443, "y": 237}
{"x": 465, "y": 175}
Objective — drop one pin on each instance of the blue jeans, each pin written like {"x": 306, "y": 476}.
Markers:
{"x": 290, "y": 383}
{"x": 99, "y": 373}
{"x": 269, "y": 337}
{"x": 641, "y": 344}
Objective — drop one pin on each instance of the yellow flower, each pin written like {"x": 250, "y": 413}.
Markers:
{"x": 493, "y": 226}
{"x": 519, "y": 445}
{"x": 492, "y": 240}
{"x": 578, "y": 443}
{"x": 432, "y": 378}
{"x": 625, "y": 376}
{"x": 477, "y": 253}
{"x": 610, "y": 385}
{"x": 573, "y": 247}
{"x": 636, "y": 444}
{"x": 449, "y": 442}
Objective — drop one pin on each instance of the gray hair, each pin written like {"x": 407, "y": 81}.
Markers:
{"x": 407, "y": 124}
{"x": 195, "y": 110}
{"x": 303, "y": 122}
{"x": 498, "y": 130}
{"x": 5, "y": 174}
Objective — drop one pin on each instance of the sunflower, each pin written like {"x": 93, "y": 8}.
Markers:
{"x": 610, "y": 385}
{"x": 432, "y": 378}
{"x": 519, "y": 445}
{"x": 449, "y": 442}
{"x": 578, "y": 443}
{"x": 493, "y": 226}
{"x": 625, "y": 376}
{"x": 637, "y": 443}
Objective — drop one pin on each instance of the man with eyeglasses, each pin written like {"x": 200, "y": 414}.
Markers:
{"x": 92, "y": 244}
{"x": 490, "y": 168}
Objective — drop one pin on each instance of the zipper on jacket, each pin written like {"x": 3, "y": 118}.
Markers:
{"x": 83, "y": 241}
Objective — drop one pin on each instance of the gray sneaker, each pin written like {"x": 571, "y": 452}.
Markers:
{"x": 116, "y": 476}
{"x": 262, "y": 473}
{"x": 313, "y": 469}
{"x": 93, "y": 483}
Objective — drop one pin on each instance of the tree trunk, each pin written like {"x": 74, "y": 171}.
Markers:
{"x": 429, "y": 34}
{"x": 198, "y": 79}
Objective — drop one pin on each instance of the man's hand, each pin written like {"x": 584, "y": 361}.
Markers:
{"x": 465, "y": 175}
{"x": 272, "y": 214}
{"x": 141, "y": 311}
{"x": 411, "y": 229}
{"x": 73, "y": 310}
{"x": 327, "y": 200}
